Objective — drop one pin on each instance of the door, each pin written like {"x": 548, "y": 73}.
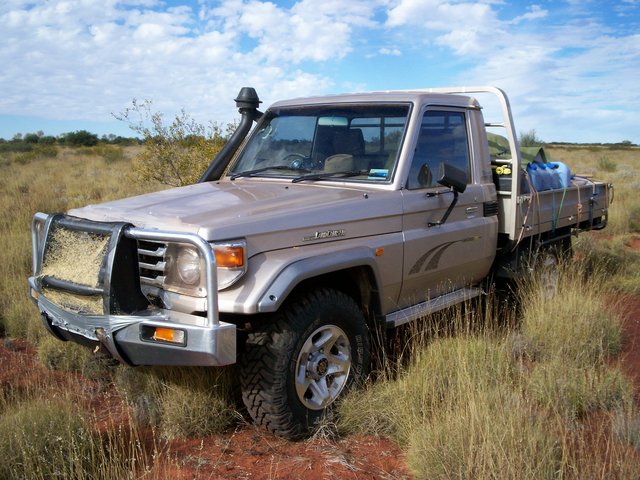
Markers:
{"x": 443, "y": 258}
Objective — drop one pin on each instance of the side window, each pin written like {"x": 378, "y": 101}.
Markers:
{"x": 442, "y": 139}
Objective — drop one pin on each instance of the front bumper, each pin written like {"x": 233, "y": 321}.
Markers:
{"x": 129, "y": 335}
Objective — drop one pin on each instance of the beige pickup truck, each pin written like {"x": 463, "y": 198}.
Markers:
{"x": 329, "y": 218}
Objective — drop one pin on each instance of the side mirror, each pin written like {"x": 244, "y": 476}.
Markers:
{"x": 455, "y": 179}
{"x": 452, "y": 177}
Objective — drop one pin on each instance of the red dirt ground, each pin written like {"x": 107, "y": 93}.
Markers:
{"x": 629, "y": 308}
{"x": 246, "y": 453}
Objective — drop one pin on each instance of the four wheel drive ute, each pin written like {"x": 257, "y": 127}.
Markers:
{"x": 321, "y": 220}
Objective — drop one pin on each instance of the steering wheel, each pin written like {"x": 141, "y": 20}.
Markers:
{"x": 295, "y": 160}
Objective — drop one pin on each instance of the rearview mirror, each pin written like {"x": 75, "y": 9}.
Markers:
{"x": 333, "y": 121}
{"x": 452, "y": 177}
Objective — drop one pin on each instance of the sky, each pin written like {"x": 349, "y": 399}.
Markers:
{"x": 571, "y": 68}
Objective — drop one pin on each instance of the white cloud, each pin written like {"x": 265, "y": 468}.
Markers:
{"x": 535, "y": 12}
{"x": 84, "y": 59}
{"x": 396, "y": 52}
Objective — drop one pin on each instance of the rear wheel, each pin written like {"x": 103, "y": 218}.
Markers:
{"x": 298, "y": 364}
{"x": 548, "y": 261}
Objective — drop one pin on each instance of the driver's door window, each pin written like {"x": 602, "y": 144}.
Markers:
{"x": 442, "y": 139}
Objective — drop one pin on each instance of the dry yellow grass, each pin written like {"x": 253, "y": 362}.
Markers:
{"x": 467, "y": 395}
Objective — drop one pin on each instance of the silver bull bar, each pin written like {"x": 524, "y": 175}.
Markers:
{"x": 129, "y": 337}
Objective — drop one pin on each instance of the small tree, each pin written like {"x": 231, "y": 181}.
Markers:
{"x": 530, "y": 139}
{"x": 31, "y": 138}
{"x": 176, "y": 154}
{"x": 79, "y": 138}
{"x": 47, "y": 140}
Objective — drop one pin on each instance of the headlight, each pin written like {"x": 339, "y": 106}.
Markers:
{"x": 186, "y": 268}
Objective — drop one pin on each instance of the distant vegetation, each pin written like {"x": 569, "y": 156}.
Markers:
{"x": 530, "y": 138}
{"x": 174, "y": 153}
{"x": 28, "y": 141}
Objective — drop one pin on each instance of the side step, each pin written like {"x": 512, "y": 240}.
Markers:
{"x": 409, "y": 314}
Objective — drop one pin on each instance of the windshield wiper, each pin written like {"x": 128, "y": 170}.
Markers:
{"x": 325, "y": 175}
{"x": 250, "y": 173}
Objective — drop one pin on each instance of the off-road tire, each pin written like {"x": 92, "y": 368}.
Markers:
{"x": 271, "y": 389}
{"x": 549, "y": 259}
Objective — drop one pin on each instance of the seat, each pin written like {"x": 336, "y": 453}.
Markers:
{"x": 340, "y": 162}
{"x": 349, "y": 141}
{"x": 346, "y": 151}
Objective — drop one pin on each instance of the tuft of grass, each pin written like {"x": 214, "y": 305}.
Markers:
{"x": 44, "y": 440}
{"x": 570, "y": 391}
{"x": 440, "y": 374}
{"x": 607, "y": 165}
{"x": 142, "y": 389}
{"x": 567, "y": 327}
{"x": 493, "y": 434}
{"x": 197, "y": 401}
{"x": 612, "y": 261}
{"x": 626, "y": 425}
{"x": 71, "y": 357}
{"x": 181, "y": 401}
{"x": 634, "y": 219}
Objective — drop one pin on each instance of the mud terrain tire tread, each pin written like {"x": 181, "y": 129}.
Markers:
{"x": 267, "y": 367}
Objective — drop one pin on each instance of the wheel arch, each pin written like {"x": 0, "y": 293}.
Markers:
{"x": 353, "y": 272}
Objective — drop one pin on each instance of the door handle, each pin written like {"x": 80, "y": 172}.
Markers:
{"x": 471, "y": 210}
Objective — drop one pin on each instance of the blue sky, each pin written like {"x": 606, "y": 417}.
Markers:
{"x": 571, "y": 68}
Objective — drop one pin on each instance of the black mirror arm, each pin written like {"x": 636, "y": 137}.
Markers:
{"x": 448, "y": 212}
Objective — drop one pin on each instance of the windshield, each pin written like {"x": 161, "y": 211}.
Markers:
{"x": 345, "y": 142}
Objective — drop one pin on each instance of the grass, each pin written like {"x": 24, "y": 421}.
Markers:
{"x": 181, "y": 402}
{"x": 534, "y": 397}
{"x": 509, "y": 401}
{"x": 43, "y": 439}
{"x": 47, "y": 184}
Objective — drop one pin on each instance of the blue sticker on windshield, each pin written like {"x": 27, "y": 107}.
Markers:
{"x": 376, "y": 173}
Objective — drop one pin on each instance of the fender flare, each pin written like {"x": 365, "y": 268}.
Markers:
{"x": 296, "y": 272}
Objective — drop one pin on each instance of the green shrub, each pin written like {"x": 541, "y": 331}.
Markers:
{"x": 15, "y": 146}
{"x": 530, "y": 139}
{"x": 25, "y": 157}
{"x": 46, "y": 150}
{"x": 79, "y": 137}
{"x": 112, "y": 154}
{"x": 175, "y": 154}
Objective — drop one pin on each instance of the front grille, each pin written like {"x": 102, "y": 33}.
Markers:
{"x": 152, "y": 262}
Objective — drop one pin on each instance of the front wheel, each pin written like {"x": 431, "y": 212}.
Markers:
{"x": 298, "y": 364}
